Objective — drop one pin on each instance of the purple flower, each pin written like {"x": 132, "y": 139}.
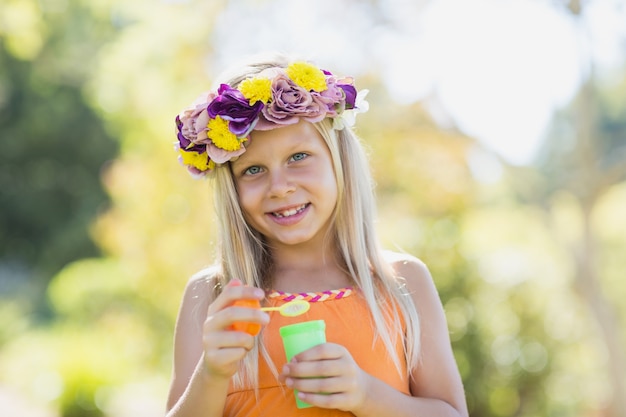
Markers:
{"x": 231, "y": 105}
{"x": 291, "y": 102}
{"x": 350, "y": 93}
{"x": 183, "y": 137}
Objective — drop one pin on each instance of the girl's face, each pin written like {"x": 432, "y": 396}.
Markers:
{"x": 286, "y": 184}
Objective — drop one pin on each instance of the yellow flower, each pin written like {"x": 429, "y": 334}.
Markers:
{"x": 197, "y": 160}
{"x": 256, "y": 89}
{"x": 221, "y": 136}
{"x": 307, "y": 76}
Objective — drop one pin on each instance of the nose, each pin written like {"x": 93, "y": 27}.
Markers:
{"x": 280, "y": 184}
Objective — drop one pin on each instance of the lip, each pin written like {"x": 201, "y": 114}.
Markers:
{"x": 301, "y": 210}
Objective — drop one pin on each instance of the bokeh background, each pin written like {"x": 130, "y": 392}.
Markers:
{"x": 497, "y": 135}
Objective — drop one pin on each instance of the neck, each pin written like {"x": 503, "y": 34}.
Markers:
{"x": 307, "y": 269}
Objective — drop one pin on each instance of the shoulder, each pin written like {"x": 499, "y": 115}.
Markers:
{"x": 414, "y": 274}
{"x": 199, "y": 294}
{"x": 407, "y": 267}
{"x": 203, "y": 280}
{"x": 200, "y": 291}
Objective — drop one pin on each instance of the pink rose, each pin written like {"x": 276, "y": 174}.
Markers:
{"x": 219, "y": 156}
{"x": 292, "y": 102}
{"x": 331, "y": 98}
{"x": 193, "y": 121}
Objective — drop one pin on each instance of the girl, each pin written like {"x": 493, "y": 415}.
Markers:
{"x": 295, "y": 206}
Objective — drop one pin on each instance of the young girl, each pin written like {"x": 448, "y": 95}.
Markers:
{"x": 295, "y": 210}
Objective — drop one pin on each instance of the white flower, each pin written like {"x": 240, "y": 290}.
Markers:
{"x": 348, "y": 117}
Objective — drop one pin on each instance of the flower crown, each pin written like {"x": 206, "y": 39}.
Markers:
{"x": 215, "y": 128}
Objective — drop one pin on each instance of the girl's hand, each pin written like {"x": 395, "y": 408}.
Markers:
{"x": 327, "y": 376}
{"x": 223, "y": 346}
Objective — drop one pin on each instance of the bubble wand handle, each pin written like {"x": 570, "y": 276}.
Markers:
{"x": 290, "y": 309}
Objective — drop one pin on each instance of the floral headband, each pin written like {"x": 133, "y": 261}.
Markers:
{"x": 215, "y": 129}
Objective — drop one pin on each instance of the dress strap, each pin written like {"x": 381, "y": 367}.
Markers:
{"x": 313, "y": 297}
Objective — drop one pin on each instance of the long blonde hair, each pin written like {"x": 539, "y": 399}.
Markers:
{"x": 242, "y": 252}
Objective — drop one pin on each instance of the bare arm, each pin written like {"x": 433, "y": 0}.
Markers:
{"x": 206, "y": 352}
{"x": 436, "y": 386}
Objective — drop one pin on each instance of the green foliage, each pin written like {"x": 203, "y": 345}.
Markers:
{"x": 54, "y": 145}
{"x": 79, "y": 396}
{"x": 13, "y": 321}
{"x": 582, "y": 164}
{"x": 586, "y": 152}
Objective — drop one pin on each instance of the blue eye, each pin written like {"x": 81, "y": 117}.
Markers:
{"x": 299, "y": 156}
{"x": 252, "y": 170}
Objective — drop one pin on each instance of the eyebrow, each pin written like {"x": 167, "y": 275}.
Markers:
{"x": 299, "y": 142}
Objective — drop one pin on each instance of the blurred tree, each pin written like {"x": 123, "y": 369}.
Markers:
{"x": 432, "y": 206}
{"x": 54, "y": 147}
{"x": 583, "y": 160}
{"x": 424, "y": 191}
{"x": 158, "y": 230}
{"x": 53, "y": 144}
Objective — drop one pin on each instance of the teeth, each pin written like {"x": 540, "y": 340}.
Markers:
{"x": 289, "y": 212}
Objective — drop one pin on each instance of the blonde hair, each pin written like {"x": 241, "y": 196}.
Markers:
{"x": 242, "y": 252}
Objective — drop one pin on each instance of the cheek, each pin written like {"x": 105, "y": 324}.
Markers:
{"x": 330, "y": 182}
{"x": 327, "y": 186}
{"x": 250, "y": 199}
{"x": 244, "y": 196}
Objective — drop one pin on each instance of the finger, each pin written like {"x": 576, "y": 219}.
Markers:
{"x": 217, "y": 358}
{"x": 227, "y": 339}
{"x": 233, "y": 292}
{"x": 318, "y": 385}
{"x": 223, "y": 319}
{"x": 321, "y": 352}
{"x": 318, "y": 369}
{"x": 224, "y": 362}
{"x": 224, "y": 350}
{"x": 335, "y": 400}
{"x": 241, "y": 291}
{"x": 340, "y": 392}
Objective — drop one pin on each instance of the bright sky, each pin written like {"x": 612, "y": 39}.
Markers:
{"x": 498, "y": 68}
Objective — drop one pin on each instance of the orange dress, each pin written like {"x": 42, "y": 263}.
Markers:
{"x": 348, "y": 323}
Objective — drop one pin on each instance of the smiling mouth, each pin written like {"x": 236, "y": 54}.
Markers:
{"x": 290, "y": 212}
